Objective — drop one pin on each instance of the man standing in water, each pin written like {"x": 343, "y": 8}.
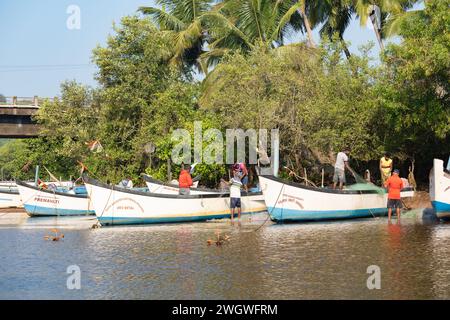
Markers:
{"x": 235, "y": 194}
{"x": 385, "y": 167}
{"x": 339, "y": 169}
{"x": 394, "y": 184}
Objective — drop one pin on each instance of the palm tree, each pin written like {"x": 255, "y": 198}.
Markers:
{"x": 383, "y": 14}
{"x": 244, "y": 24}
{"x": 334, "y": 16}
{"x": 181, "y": 18}
{"x": 306, "y": 22}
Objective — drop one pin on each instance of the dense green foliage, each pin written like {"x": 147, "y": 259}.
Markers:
{"x": 414, "y": 87}
{"x": 320, "y": 100}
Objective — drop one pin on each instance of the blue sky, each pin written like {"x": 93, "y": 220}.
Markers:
{"x": 38, "y": 51}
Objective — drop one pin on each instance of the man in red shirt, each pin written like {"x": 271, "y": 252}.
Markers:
{"x": 394, "y": 184}
{"x": 185, "y": 180}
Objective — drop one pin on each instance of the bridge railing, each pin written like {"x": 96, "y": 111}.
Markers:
{"x": 15, "y": 101}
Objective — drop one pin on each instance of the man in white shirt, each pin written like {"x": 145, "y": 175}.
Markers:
{"x": 339, "y": 169}
{"x": 235, "y": 194}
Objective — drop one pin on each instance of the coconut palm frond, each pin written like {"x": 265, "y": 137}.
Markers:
{"x": 285, "y": 19}
{"x": 188, "y": 38}
{"x": 212, "y": 58}
{"x": 219, "y": 21}
{"x": 164, "y": 20}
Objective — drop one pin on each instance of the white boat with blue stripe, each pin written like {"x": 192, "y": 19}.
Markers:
{"x": 440, "y": 189}
{"x": 9, "y": 197}
{"x": 292, "y": 202}
{"x": 114, "y": 205}
{"x": 41, "y": 202}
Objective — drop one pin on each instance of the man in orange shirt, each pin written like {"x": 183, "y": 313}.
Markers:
{"x": 394, "y": 184}
{"x": 185, "y": 180}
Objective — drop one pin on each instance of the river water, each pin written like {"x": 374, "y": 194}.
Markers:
{"x": 326, "y": 260}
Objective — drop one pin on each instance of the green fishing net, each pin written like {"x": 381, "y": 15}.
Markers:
{"x": 362, "y": 184}
{"x": 366, "y": 186}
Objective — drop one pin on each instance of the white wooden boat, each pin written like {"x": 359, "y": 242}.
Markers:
{"x": 287, "y": 201}
{"x": 118, "y": 206}
{"x": 10, "y": 197}
{"x": 40, "y": 202}
{"x": 440, "y": 189}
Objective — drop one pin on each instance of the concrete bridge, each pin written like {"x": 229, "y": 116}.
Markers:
{"x": 16, "y": 116}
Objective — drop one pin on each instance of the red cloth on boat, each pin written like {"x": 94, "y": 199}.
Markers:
{"x": 394, "y": 185}
{"x": 185, "y": 180}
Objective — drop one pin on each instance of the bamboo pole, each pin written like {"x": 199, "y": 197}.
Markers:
{"x": 323, "y": 175}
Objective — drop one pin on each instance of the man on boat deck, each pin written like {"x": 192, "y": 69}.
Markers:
{"x": 235, "y": 194}
{"x": 385, "y": 167}
{"x": 126, "y": 183}
{"x": 394, "y": 184}
{"x": 185, "y": 180}
{"x": 243, "y": 174}
{"x": 339, "y": 169}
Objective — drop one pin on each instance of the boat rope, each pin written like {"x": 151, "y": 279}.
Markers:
{"x": 273, "y": 208}
{"x": 106, "y": 204}
{"x": 370, "y": 211}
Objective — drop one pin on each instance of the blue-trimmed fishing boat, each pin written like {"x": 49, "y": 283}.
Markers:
{"x": 114, "y": 205}
{"x": 9, "y": 197}
{"x": 289, "y": 202}
{"x": 59, "y": 202}
{"x": 440, "y": 189}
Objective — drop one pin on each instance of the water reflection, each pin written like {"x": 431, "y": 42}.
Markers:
{"x": 296, "y": 261}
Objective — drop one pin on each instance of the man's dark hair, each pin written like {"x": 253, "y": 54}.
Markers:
{"x": 387, "y": 154}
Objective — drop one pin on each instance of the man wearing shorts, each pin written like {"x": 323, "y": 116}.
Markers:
{"x": 235, "y": 194}
{"x": 339, "y": 169}
{"x": 394, "y": 184}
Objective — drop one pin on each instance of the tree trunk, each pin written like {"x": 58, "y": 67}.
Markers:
{"x": 307, "y": 25}
{"x": 377, "y": 33}
{"x": 345, "y": 48}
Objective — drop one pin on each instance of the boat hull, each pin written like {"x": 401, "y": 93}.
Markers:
{"x": 440, "y": 190}
{"x": 10, "y": 199}
{"x": 39, "y": 202}
{"x": 116, "y": 206}
{"x": 291, "y": 202}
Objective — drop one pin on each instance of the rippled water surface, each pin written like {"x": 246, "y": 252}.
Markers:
{"x": 295, "y": 261}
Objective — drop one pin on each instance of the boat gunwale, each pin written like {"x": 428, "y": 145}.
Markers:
{"x": 147, "y": 178}
{"x": 94, "y": 182}
{"x": 324, "y": 190}
{"x": 23, "y": 184}
{"x": 6, "y": 191}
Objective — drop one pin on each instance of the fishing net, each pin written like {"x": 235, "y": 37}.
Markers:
{"x": 361, "y": 184}
{"x": 366, "y": 186}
